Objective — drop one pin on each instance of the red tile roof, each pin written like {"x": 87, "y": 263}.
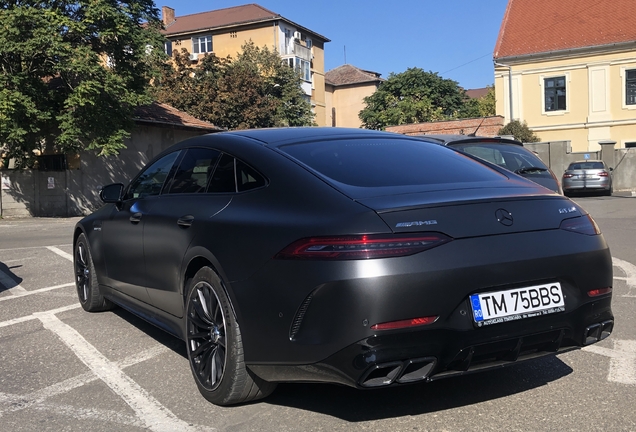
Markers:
{"x": 348, "y": 74}
{"x": 543, "y": 26}
{"x": 477, "y": 93}
{"x": 165, "y": 114}
{"x": 232, "y": 16}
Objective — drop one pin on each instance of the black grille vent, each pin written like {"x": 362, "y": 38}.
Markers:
{"x": 298, "y": 319}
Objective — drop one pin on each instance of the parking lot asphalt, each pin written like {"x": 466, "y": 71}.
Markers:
{"x": 63, "y": 369}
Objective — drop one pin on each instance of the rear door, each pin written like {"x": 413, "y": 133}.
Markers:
{"x": 184, "y": 209}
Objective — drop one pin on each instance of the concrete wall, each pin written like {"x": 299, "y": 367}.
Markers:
{"x": 75, "y": 192}
{"x": 558, "y": 155}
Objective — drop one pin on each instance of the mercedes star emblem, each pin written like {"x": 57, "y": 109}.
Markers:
{"x": 504, "y": 217}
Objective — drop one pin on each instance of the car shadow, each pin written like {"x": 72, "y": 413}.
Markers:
{"x": 354, "y": 405}
{"x": 11, "y": 279}
{"x": 161, "y": 336}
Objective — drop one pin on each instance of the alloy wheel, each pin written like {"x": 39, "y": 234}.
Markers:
{"x": 206, "y": 336}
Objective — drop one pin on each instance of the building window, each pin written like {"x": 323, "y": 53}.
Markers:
{"x": 202, "y": 44}
{"x": 303, "y": 67}
{"x": 554, "y": 89}
{"x": 167, "y": 47}
{"x": 630, "y": 87}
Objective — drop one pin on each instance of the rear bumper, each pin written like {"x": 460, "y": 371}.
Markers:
{"x": 427, "y": 355}
{"x": 574, "y": 185}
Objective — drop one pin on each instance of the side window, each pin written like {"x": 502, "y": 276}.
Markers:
{"x": 630, "y": 87}
{"x": 151, "y": 180}
{"x": 194, "y": 171}
{"x": 247, "y": 178}
{"x": 555, "y": 94}
{"x": 223, "y": 178}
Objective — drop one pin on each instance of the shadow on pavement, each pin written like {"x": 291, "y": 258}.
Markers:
{"x": 364, "y": 405}
{"x": 9, "y": 280}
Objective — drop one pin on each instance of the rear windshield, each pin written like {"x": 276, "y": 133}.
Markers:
{"x": 586, "y": 165}
{"x": 389, "y": 162}
{"x": 509, "y": 156}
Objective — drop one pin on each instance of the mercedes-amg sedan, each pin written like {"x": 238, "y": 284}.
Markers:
{"x": 347, "y": 256}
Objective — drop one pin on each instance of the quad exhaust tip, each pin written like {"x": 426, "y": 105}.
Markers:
{"x": 598, "y": 332}
{"x": 403, "y": 372}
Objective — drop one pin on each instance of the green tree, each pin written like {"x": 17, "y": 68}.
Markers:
{"x": 520, "y": 131}
{"x": 254, "y": 90}
{"x": 412, "y": 96}
{"x": 479, "y": 107}
{"x": 72, "y": 72}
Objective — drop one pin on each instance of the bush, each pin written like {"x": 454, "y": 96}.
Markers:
{"x": 520, "y": 131}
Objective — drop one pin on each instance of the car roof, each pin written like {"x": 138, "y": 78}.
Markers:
{"x": 586, "y": 161}
{"x": 276, "y": 137}
{"x": 450, "y": 139}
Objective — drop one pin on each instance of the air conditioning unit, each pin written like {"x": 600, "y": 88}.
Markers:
{"x": 194, "y": 56}
{"x": 297, "y": 35}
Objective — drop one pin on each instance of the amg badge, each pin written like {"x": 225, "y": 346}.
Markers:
{"x": 415, "y": 223}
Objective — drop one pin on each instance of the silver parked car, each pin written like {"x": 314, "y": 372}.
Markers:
{"x": 587, "y": 175}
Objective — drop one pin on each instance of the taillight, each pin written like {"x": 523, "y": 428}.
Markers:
{"x": 568, "y": 175}
{"x": 393, "y": 325}
{"x": 582, "y": 224}
{"x": 599, "y": 292}
{"x": 603, "y": 174}
{"x": 362, "y": 247}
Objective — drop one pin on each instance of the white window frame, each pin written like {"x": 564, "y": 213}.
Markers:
{"x": 568, "y": 90}
{"x": 197, "y": 42}
{"x": 623, "y": 74}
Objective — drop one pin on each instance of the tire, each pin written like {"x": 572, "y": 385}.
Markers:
{"x": 86, "y": 279}
{"x": 215, "y": 349}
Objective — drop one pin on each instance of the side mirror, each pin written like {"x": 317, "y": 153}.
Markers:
{"x": 611, "y": 169}
{"x": 112, "y": 193}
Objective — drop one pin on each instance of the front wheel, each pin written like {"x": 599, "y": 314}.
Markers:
{"x": 214, "y": 345}
{"x": 86, "y": 279}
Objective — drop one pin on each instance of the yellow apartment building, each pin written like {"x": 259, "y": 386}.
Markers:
{"x": 568, "y": 68}
{"x": 224, "y": 31}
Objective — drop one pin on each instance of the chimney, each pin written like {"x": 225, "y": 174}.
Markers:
{"x": 167, "y": 13}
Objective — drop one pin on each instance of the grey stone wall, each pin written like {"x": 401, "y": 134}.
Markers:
{"x": 75, "y": 192}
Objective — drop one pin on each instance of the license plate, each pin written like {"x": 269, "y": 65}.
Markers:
{"x": 515, "y": 304}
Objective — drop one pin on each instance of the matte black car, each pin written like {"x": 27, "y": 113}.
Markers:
{"x": 586, "y": 176}
{"x": 506, "y": 153}
{"x": 346, "y": 256}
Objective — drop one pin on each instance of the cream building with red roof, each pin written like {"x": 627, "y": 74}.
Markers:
{"x": 568, "y": 68}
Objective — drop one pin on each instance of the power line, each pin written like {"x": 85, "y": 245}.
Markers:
{"x": 531, "y": 34}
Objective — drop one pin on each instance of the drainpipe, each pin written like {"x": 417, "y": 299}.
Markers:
{"x": 509, "y": 85}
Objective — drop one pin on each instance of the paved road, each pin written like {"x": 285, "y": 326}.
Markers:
{"x": 64, "y": 369}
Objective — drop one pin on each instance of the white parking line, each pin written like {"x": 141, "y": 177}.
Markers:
{"x": 31, "y": 247}
{"x": 13, "y": 402}
{"x": 60, "y": 252}
{"x": 630, "y": 275}
{"x": 622, "y": 360}
{"x": 153, "y": 415}
{"x": 33, "y": 292}
{"x": 15, "y": 321}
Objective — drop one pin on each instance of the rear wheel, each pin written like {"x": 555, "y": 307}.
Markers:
{"x": 86, "y": 279}
{"x": 214, "y": 345}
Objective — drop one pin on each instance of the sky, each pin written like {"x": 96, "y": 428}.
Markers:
{"x": 455, "y": 38}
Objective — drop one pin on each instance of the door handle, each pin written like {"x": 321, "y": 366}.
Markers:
{"x": 185, "y": 221}
{"x": 135, "y": 218}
